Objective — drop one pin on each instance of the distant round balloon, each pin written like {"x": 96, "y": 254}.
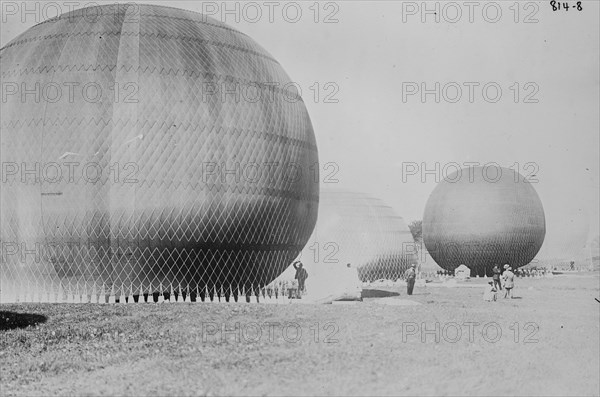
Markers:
{"x": 149, "y": 149}
{"x": 483, "y": 216}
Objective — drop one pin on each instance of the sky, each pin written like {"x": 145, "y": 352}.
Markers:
{"x": 369, "y": 61}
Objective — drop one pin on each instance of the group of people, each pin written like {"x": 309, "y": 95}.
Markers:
{"x": 495, "y": 285}
{"x": 533, "y": 272}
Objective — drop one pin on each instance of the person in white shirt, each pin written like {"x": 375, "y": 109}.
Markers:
{"x": 490, "y": 292}
{"x": 509, "y": 281}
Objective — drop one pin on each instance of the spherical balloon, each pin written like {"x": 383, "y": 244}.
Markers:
{"x": 149, "y": 149}
{"x": 481, "y": 217}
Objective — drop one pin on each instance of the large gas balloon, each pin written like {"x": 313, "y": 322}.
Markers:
{"x": 147, "y": 149}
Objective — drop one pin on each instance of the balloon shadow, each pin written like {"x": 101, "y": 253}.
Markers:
{"x": 12, "y": 320}
{"x": 377, "y": 293}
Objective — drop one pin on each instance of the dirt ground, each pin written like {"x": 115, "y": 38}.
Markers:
{"x": 544, "y": 342}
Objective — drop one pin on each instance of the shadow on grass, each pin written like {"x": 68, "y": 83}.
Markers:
{"x": 377, "y": 293}
{"x": 12, "y": 320}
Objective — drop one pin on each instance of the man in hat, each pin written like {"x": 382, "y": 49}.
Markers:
{"x": 301, "y": 276}
{"x": 411, "y": 276}
{"x": 509, "y": 281}
{"x": 496, "y": 277}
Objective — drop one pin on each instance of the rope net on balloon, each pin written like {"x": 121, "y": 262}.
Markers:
{"x": 177, "y": 184}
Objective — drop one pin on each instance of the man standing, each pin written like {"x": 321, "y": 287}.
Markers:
{"x": 509, "y": 280}
{"x": 496, "y": 277}
{"x": 411, "y": 275}
{"x": 301, "y": 276}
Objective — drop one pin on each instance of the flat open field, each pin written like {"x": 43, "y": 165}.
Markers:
{"x": 549, "y": 345}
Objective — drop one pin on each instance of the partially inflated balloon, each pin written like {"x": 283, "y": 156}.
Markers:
{"x": 363, "y": 231}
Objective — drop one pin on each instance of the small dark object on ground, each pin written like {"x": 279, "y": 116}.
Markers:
{"x": 377, "y": 293}
{"x": 12, "y": 320}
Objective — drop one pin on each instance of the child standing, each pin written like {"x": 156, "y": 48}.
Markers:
{"x": 490, "y": 292}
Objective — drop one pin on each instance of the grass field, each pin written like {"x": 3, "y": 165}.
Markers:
{"x": 545, "y": 342}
